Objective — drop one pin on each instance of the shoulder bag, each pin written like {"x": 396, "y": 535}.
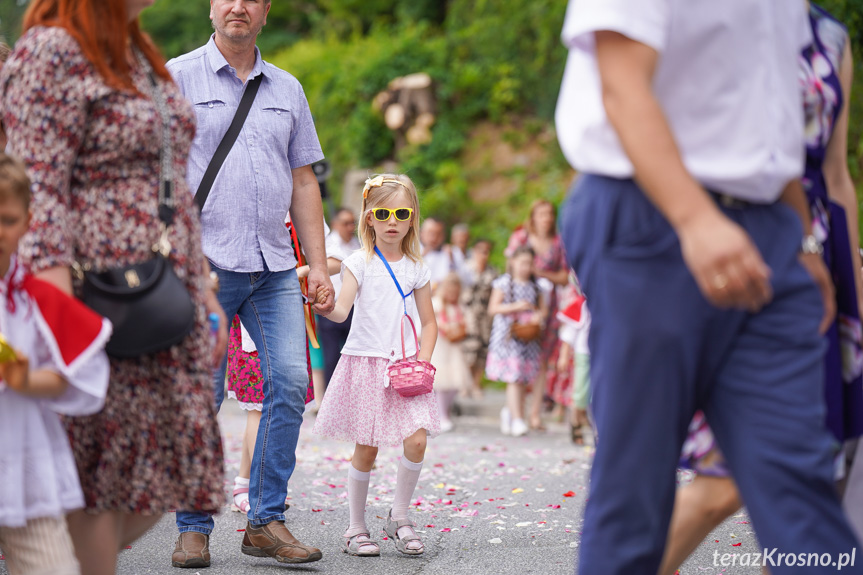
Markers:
{"x": 148, "y": 305}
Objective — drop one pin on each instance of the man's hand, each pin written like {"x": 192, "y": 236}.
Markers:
{"x": 816, "y": 268}
{"x": 726, "y": 265}
{"x": 211, "y": 302}
{"x": 319, "y": 279}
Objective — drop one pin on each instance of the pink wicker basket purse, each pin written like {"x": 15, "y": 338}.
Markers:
{"x": 410, "y": 377}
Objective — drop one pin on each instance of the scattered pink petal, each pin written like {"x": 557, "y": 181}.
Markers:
{"x": 430, "y": 526}
{"x": 128, "y": 546}
{"x": 569, "y": 494}
{"x": 445, "y": 530}
{"x": 554, "y": 506}
{"x": 241, "y": 530}
{"x": 736, "y": 544}
{"x": 316, "y": 510}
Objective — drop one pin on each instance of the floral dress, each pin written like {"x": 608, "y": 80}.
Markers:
{"x": 245, "y": 381}
{"x": 509, "y": 359}
{"x": 843, "y": 362}
{"x": 92, "y": 153}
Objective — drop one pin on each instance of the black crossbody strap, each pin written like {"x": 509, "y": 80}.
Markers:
{"x": 227, "y": 141}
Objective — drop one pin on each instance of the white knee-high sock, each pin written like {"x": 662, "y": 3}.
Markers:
{"x": 406, "y": 483}
{"x": 358, "y": 492}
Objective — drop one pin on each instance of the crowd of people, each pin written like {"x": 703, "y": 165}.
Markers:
{"x": 722, "y": 270}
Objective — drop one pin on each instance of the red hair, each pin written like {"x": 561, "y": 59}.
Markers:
{"x": 103, "y": 32}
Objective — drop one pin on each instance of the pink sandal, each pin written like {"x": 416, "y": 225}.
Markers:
{"x": 244, "y": 506}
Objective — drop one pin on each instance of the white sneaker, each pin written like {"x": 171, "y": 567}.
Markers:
{"x": 505, "y": 421}
{"x": 446, "y": 425}
{"x": 519, "y": 427}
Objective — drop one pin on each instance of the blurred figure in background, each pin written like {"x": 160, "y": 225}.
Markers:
{"x": 439, "y": 257}
{"x": 453, "y": 374}
{"x": 476, "y": 293}
{"x": 540, "y": 233}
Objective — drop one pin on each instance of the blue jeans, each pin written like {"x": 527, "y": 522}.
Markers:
{"x": 270, "y": 306}
{"x": 659, "y": 351}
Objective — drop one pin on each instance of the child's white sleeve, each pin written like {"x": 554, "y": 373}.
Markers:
{"x": 87, "y": 378}
{"x": 356, "y": 262}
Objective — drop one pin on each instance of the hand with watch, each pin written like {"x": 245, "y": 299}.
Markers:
{"x": 810, "y": 256}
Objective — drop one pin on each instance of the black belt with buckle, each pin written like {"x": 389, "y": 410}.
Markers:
{"x": 727, "y": 201}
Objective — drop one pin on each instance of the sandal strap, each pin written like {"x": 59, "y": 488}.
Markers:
{"x": 412, "y": 537}
{"x": 354, "y": 540}
{"x": 240, "y": 490}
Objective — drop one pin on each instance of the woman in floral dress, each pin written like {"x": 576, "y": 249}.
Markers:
{"x": 825, "y": 72}
{"x": 79, "y": 111}
{"x": 540, "y": 233}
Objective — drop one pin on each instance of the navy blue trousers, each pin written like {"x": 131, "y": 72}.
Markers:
{"x": 659, "y": 351}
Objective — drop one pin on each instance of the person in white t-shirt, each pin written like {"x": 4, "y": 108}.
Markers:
{"x": 690, "y": 232}
{"x": 341, "y": 242}
{"x": 384, "y": 282}
{"x": 440, "y": 257}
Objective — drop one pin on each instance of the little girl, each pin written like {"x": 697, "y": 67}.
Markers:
{"x": 360, "y": 405}
{"x": 453, "y": 374}
{"x": 515, "y": 298}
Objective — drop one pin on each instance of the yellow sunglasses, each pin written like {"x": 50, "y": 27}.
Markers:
{"x": 384, "y": 214}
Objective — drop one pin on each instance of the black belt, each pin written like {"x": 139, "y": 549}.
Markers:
{"x": 731, "y": 202}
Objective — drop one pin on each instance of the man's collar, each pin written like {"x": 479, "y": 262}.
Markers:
{"x": 218, "y": 61}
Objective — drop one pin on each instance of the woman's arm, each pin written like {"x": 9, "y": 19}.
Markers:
{"x": 559, "y": 277}
{"x": 428, "y": 338}
{"x": 59, "y": 277}
{"x": 346, "y": 298}
{"x": 840, "y": 187}
{"x": 496, "y": 305}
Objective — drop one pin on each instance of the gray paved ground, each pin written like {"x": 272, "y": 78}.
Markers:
{"x": 487, "y": 504}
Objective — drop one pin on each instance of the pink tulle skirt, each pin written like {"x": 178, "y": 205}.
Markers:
{"x": 357, "y": 407}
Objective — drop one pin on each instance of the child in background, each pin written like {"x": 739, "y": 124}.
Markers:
{"x": 58, "y": 367}
{"x": 453, "y": 374}
{"x": 515, "y": 299}
{"x": 574, "y": 332}
{"x": 360, "y": 405}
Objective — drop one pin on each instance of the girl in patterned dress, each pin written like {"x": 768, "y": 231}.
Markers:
{"x": 540, "y": 234}
{"x": 360, "y": 406}
{"x": 515, "y": 298}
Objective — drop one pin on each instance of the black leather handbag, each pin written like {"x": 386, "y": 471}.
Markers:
{"x": 147, "y": 303}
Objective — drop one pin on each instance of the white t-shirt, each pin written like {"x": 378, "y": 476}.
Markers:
{"x": 378, "y": 306}
{"x": 339, "y": 249}
{"x": 727, "y": 80}
{"x": 442, "y": 262}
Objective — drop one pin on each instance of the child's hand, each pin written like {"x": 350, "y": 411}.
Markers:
{"x": 322, "y": 295}
{"x": 303, "y": 272}
{"x": 16, "y": 372}
{"x": 521, "y": 306}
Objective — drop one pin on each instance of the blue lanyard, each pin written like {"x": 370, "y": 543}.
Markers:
{"x": 392, "y": 275}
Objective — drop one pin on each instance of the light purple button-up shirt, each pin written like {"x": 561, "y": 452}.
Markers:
{"x": 244, "y": 218}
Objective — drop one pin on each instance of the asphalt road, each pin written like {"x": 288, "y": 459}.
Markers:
{"x": 487, "y": 504}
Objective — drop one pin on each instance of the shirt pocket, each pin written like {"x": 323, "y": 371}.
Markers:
{"x": 278, "y": 123}
{"x": 214, "y": 116}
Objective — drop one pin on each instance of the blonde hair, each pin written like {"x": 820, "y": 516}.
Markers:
{"x": 381, "y": 194}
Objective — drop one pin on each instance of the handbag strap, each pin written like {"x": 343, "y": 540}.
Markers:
{"x": 404, "y": 304}
{"x": 227, "y": 141}
{"x": 166, "y": 150}
{"x": 398, "y": 286}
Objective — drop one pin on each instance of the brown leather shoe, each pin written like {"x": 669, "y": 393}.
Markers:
{"x": 274, "y": 540}
{"x": 193, "y": 550}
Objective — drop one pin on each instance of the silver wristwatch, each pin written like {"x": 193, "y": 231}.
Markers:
{"x": 811, "y": 246}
